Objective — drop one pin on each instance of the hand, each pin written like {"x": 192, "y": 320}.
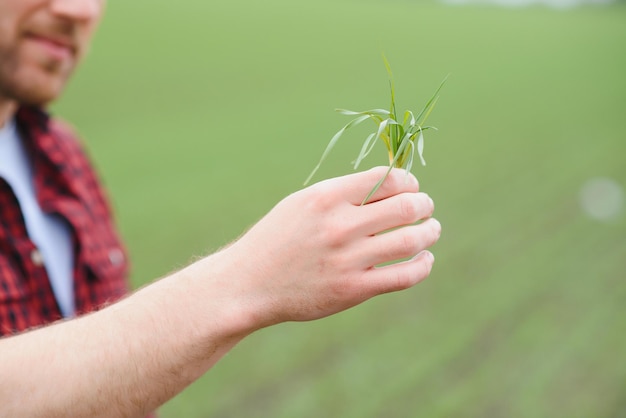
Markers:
{"x": 316, "y": 253}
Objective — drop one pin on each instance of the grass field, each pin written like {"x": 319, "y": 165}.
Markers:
{"x": 197, "y": 116}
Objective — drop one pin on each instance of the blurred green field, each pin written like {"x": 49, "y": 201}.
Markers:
{"x": 198, "y": 115}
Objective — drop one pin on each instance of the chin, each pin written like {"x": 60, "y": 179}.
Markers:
{"x": 36, "y": 98}
{"x": 36, "y": 89}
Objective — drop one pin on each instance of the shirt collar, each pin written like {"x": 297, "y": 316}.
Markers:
{"x": 32, "y": 117}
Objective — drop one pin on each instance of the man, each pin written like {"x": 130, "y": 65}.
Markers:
{"x": 312, "y": 255}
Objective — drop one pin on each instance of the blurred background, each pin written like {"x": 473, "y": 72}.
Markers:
{"x": 202, "y": 115}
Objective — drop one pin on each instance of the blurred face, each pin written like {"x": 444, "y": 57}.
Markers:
{"x": 41, "y": 42}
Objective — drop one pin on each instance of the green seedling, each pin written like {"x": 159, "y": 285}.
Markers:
{"x": 401, "y": 137}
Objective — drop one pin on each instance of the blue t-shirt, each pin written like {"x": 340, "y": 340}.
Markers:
{"x": 49, "y": 232}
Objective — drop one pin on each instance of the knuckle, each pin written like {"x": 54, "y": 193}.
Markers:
{"x": 402, "y": 279}
{"x": 405, "y": 245}
{"x": 400, "y": 178}
{"x": 412, "y": 273}
{"x": 407, "y": 208}
{"x": 334, "y": 235}
{"x": 319, "y": 198}
{"x": 396, "y": 180}
{"x": 395, "y": 176}
{"x": 409, "y": 244}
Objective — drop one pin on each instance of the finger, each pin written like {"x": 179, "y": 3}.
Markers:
{"x": 355, "y": 187}
{"x": 397, "y": 181}
{"x": 399, "y": 276}
{"x": 399, "y": 210}
{"x": 400, "y": 243}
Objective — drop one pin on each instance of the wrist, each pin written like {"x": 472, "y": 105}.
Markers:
{"x": 221, "y": 304}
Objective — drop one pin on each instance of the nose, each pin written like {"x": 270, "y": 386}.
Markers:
{"x": 77, "y": 9}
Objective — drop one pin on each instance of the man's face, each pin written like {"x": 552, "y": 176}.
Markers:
{"x": 41, "y": 42}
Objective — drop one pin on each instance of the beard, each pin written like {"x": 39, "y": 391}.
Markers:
{"x": 32, "y": 82}
{"x": 37, "y": 60}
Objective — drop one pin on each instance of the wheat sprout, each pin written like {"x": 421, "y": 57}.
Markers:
{"x": 401, "y": 138}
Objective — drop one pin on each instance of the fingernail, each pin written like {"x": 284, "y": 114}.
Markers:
{"x": 437, "y": 225}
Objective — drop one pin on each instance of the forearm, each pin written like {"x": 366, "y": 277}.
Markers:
{"x": 318, "y": 252}
{"x": 127, "y": 359}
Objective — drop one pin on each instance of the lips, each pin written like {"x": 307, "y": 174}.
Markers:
{"x": 58, "y": 46}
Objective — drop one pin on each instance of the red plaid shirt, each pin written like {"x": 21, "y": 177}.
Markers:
{"x": 65, "y": 184}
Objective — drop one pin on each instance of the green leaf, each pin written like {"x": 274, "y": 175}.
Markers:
{"x": 429, "y": 105}
{"x": 379, "y": 112}
{"x": 411, "y": 157}
{"x": 367, "y": 147}
{"x": 332, "y": 143}
{"x": 403, "y": 145}
{"x": 430, "y": 109}
{"x": 420, "y": 147}
{"x": 392, "y": 89}
{"x": 399, "y": 138}
{"x": 389, "y": 125}
{"x": 409, "y": 117}
{"x": 377, "y": 186}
